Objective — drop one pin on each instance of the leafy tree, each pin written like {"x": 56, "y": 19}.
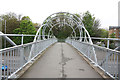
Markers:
{"x": 104, "y": 33}
{"x": 26, "y": 27}
{"x": 90, "y": 23}
{"x": 26, "y": 18}
{"x": 12, "y": 22}
{"x": 112, "y": 35}
{"x": 36, "y": 25}
{"x": 112, "y": 43}
{"x": 62, "y": 32}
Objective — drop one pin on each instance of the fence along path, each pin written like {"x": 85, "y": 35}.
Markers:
{"x": 61, "y": 61}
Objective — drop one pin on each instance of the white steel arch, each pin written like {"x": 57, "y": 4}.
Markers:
{"x": 62, "y": 18}
{"x": 76, "y": 20}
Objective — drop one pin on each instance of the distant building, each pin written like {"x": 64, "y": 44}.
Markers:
{"x": 114, "y": 30}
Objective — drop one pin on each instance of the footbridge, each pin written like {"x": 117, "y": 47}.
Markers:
{"x": 46, "y": 57}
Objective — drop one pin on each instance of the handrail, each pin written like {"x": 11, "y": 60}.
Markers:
{"x": 117, "y": 39}
{"x": 19, "y": 35}
{"x": 107, "y": 59}
{"x": 16, "y": 57}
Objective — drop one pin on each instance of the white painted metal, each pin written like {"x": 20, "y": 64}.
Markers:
{"x": 21, "y": 55}
{"x": 7, "y": 38}
{"x": 15, "y": 58}
{"x": 107, "y": 59}
{"x": 70, "y": 17}
{"x": 5, "y": 33}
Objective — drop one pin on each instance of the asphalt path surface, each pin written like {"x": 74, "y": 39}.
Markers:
{"x": 61, "y": 61}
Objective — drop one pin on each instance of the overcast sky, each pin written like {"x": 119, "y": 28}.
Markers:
{"x": 39, "y": 10}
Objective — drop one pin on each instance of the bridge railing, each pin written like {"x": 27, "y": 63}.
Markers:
{"x": 6, "y": 37}
{"x": 13, "y": 59}
{"x": 108, "y": 60}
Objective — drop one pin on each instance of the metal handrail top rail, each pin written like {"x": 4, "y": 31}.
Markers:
{"x": 20, "y": 35}
{"x": 99, "y": 47}
{"x": 22, "y": 45}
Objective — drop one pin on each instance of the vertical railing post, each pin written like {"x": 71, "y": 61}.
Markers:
{"x": 88, "y": 51}
{"x": 118, "y": 66}
{"x": 22, "y": 39}
{"x": 0, "y": 66}
{"x": 35, "y": 49}
{"x": 0, "y": 52}
{"x": 106, "y": 63}
{"x": 108, "y": 42}
{"x": 0, "y": 36}
{"x": 5, "y": 33}
{"x": 21, "y": 56}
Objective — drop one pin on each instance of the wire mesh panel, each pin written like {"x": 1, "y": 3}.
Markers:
{"x": 14, "y": 58}
{"x": 107, "y": 60}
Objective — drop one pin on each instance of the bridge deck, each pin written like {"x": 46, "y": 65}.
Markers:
{"x": 61, "y": 61}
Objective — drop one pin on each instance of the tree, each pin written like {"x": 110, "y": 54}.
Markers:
{"x": 12, "y": 22}
{"x": 112, "y": 35}
{"x": 90, "y": 23}
{"x": 62, "y": 32}
{"x": 26, "y": 27}
{"x": 104, "y": 33}
{"x": 36, "y": 25}
{"x": 112, "y": 42}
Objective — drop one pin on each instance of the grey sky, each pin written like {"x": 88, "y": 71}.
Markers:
{"x": 39, "y": 10}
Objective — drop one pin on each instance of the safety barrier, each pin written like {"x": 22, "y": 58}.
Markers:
{"x": 15, "y": 58}
{"x": 108, "y": 60}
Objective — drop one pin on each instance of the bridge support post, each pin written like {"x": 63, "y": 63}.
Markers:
{"x": 21, "y": 56}
{"x": 22, "y": 39}
{"x": 108, "y": 42}
{"x": 0, "y": 36}
{"x": 118, "y": 66}
{"x": 0, "y": 66}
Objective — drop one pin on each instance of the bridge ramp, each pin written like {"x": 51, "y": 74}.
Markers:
{"x": 61, "y": 61}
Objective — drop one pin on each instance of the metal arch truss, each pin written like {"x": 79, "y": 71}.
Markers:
{"x": 60, "y": 19}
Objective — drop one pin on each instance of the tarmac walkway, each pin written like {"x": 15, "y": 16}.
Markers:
{"x": 61, "y": 61}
